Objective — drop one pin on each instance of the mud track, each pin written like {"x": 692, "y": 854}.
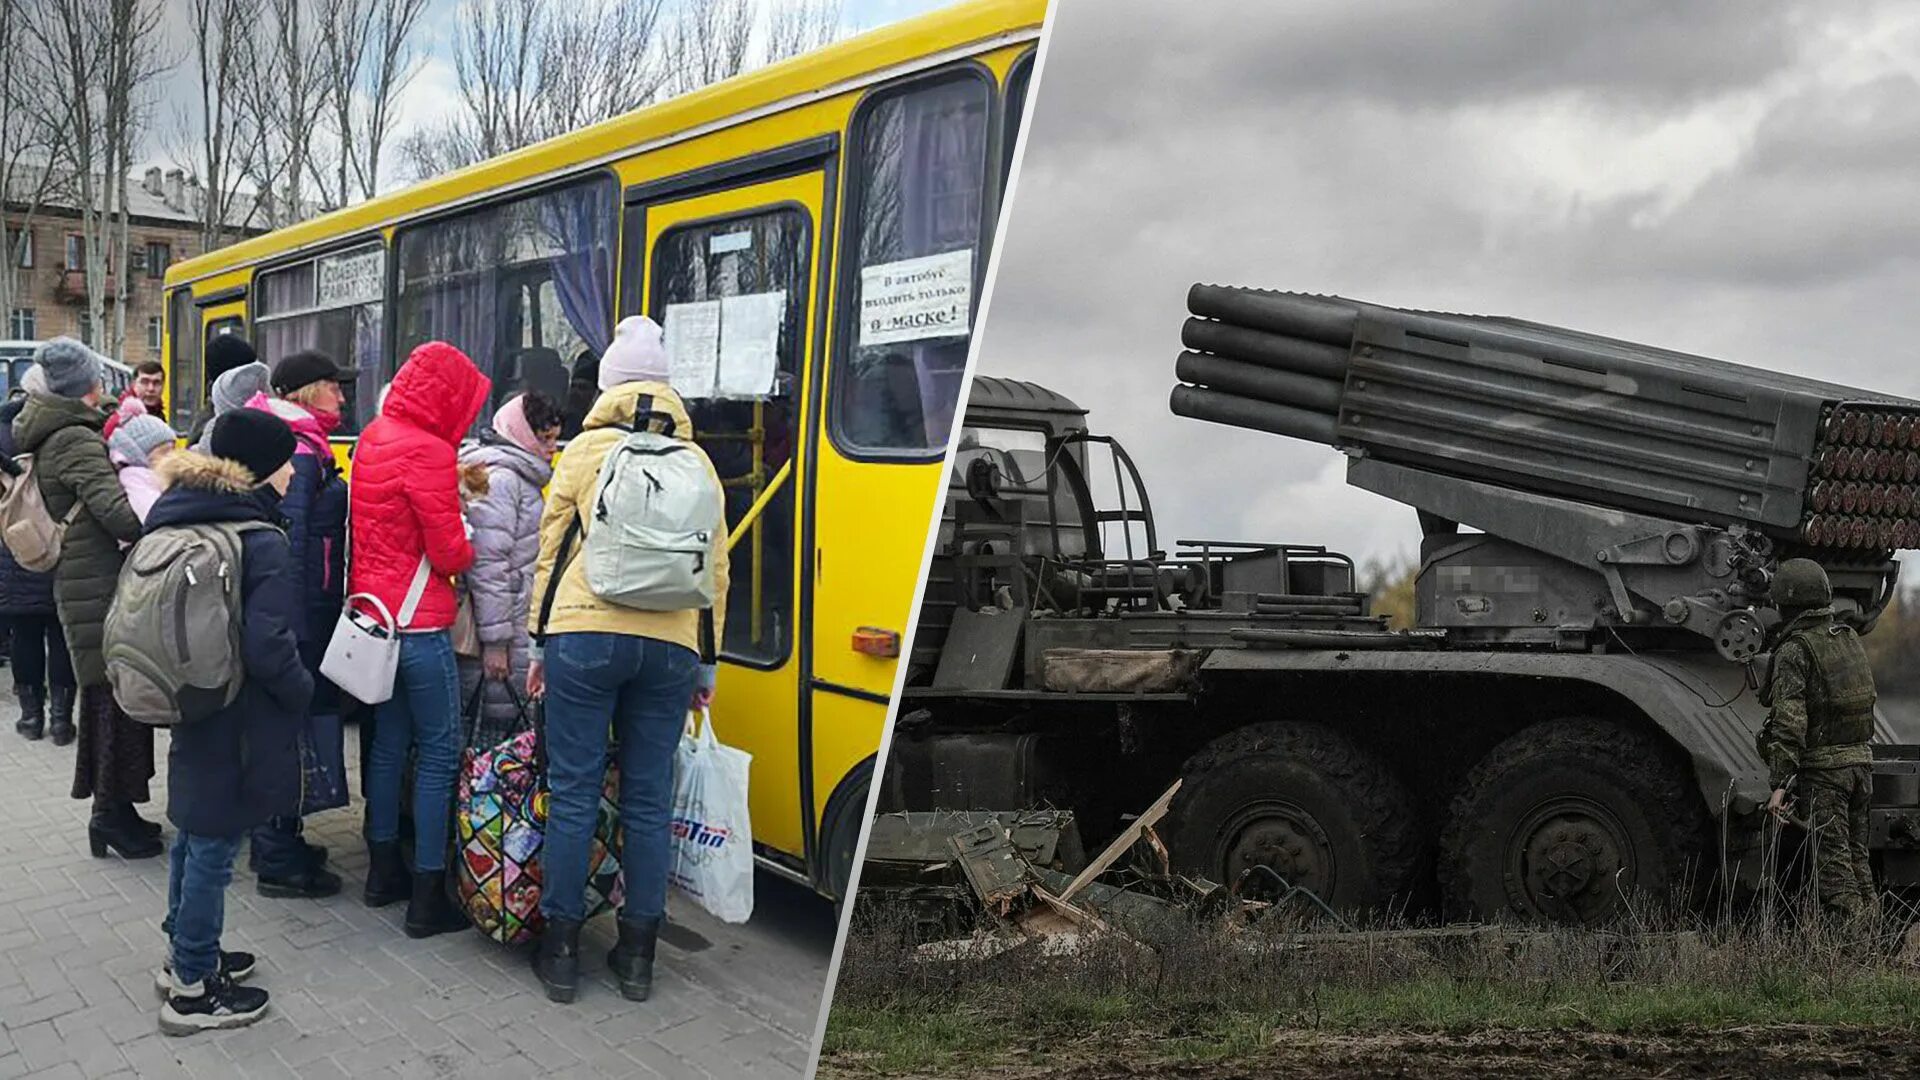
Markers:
{"x": 1777, "y": 1053}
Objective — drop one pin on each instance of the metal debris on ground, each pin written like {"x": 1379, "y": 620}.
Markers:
{"x": 1015, "y": 875}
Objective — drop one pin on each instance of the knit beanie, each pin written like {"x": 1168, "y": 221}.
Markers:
{"x": 137, "y": 436}
{"x": 226, "y": 352}
{"x": 638, "y": 353}
{"x": 35, "y": 380}
{"x": 235, "y": 388}
{"x": 259, "y": 440}
{"x": 71, "y": 369}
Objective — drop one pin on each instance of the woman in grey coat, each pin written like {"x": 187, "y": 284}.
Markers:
{"x": 517, "y": 452}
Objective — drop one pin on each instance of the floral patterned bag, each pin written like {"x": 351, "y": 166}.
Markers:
{"x": 500, "y": 814}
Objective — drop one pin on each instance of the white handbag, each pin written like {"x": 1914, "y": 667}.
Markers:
{"x": 364, "y": 653}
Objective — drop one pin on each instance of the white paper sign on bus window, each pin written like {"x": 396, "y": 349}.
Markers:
{"x": 915, "y": 299}
{"x": 693, "y": 347}
{"x": 750, "y": 344}
{"x": 350, "y": 278}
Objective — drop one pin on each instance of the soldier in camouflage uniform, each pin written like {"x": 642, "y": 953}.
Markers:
{"x": 1820, "y": 698}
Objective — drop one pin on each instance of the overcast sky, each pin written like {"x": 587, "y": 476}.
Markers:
{"x": 1735, "y": 179}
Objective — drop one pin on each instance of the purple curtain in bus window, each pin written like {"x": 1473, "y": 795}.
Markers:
{"x": 283, "y": 337}
{"x": 579, "y": 221}
{"x": 943, "y": 154}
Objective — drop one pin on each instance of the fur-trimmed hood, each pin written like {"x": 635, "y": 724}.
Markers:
{"x": 204, "y": 472}
{"x": 201, "y": 488}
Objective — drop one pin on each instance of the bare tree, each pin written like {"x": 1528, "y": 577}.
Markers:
{"x": 709, "y": 42}
{"x": 531, "y": 69}
{"x": 496, "y": 61}
{"x": 598, "y": 59}
{"x": 67, "y": 34}
{"x": 389, "y": 68}
{"x": 222, "y": 137}
{"x": 31, "y": 161}
{"x": 366, "y": 46}
{"x": 802, "y": 26}
{"x": 132, "y": 62}
{"x": 285, "y": 99}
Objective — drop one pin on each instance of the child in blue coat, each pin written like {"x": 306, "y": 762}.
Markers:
{"x": 239, "y": 767}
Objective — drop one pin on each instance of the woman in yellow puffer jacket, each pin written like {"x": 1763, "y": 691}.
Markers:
{"x": 601, "y": 666}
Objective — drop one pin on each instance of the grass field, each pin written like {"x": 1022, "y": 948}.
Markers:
{"x": 1779, "y": 996}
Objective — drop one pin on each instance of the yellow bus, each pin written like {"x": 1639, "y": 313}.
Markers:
{"x": 813, "y": 234}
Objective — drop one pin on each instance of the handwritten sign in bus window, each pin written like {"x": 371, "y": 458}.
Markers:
{"x": 915, "y": 299}
{"x": 350, "y": 278}
{"x": 693, "y": 347}
{"x": 726, "y": 348}
{"x": 750, "y": 343}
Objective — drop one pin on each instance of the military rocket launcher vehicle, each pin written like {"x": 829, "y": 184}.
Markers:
{"x": 1570, "y": 721}
{"x": 1679, "y": 480}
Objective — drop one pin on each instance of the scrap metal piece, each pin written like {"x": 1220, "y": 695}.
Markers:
{"x": 993, "y": 866}
{"x": 922, "y": 836}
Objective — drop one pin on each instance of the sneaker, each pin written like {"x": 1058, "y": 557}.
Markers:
{"x": 211, "y": 1004}
{"x": 237, "y": 966}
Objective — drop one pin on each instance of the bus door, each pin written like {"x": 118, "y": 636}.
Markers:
{"x": 196, "y": 325}
{"x": 732, "y": 274}
{"x": 918, "y": 215}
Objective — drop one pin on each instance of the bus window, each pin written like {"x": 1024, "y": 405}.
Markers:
{"x": 1017, "y": 81}
{"x": 919, "y": 173}
{"x": 333, "y": 304}
{"x": 749, "y": 432}
{"x": 524, "y": 288}
{"x": 183, "y": 371}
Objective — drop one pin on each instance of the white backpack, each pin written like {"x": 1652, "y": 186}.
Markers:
{"x": 650, "y": 525}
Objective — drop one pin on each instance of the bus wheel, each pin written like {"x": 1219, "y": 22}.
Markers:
{"x": 1571, "y": 821}
{"x": 842, "y": 839}
{"x": 1304, "y": 803}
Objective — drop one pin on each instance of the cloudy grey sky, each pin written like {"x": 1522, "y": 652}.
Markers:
{"x": 1740, "y": 179}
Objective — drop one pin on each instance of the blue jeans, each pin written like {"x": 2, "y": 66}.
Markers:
{"x": 197, "y": 902}
{"x": 424, "y": 713}
{"x": 640, "y": 688}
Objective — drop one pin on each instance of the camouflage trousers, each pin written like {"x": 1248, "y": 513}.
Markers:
{"x": 1836, "y": 802}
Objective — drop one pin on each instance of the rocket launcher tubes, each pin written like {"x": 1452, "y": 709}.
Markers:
{"x": 1556, "y": 411}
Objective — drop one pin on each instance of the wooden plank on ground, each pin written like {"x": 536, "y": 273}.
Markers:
{"x": 1127, "y": 838}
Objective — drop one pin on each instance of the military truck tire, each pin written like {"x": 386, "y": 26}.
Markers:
{"x": 1303, "y": 800}
{"x": 1565, "y": 820}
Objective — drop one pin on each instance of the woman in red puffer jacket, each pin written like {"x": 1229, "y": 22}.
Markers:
{"x": 403, "y": 508}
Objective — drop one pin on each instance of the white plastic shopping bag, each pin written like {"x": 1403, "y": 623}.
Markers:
{"x": 712, "y": 838}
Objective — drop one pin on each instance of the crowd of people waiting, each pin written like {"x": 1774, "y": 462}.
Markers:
{"x": 112, "y": 471}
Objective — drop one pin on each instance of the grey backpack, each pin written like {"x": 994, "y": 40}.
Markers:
{"x": 651, "y": 523}
{"x": 172, "y": 637}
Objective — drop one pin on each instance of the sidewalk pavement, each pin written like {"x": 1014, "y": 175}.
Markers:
{"x": 353, "y": 996}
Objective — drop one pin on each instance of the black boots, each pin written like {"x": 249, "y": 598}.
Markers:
{"x": 556, "y": 960}
{"x": 60, "y": 716}
{"x": 313, "y": 882}
{"x": 632, "y": 958}
{"x": 430, "y": 910}
{"x": 387, "y": 880}
{"x": 33, "y": 711}
{"x": 116, "y": 828}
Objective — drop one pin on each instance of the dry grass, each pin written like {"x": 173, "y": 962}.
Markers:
{"x": 1221, "y": 989}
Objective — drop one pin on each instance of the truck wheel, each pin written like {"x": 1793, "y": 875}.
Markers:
{"x": 1566, "y": 820}
{"x": 1304, "y": 801}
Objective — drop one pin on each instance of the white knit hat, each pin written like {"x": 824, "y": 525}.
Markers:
{"x": 638, "y": 353}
